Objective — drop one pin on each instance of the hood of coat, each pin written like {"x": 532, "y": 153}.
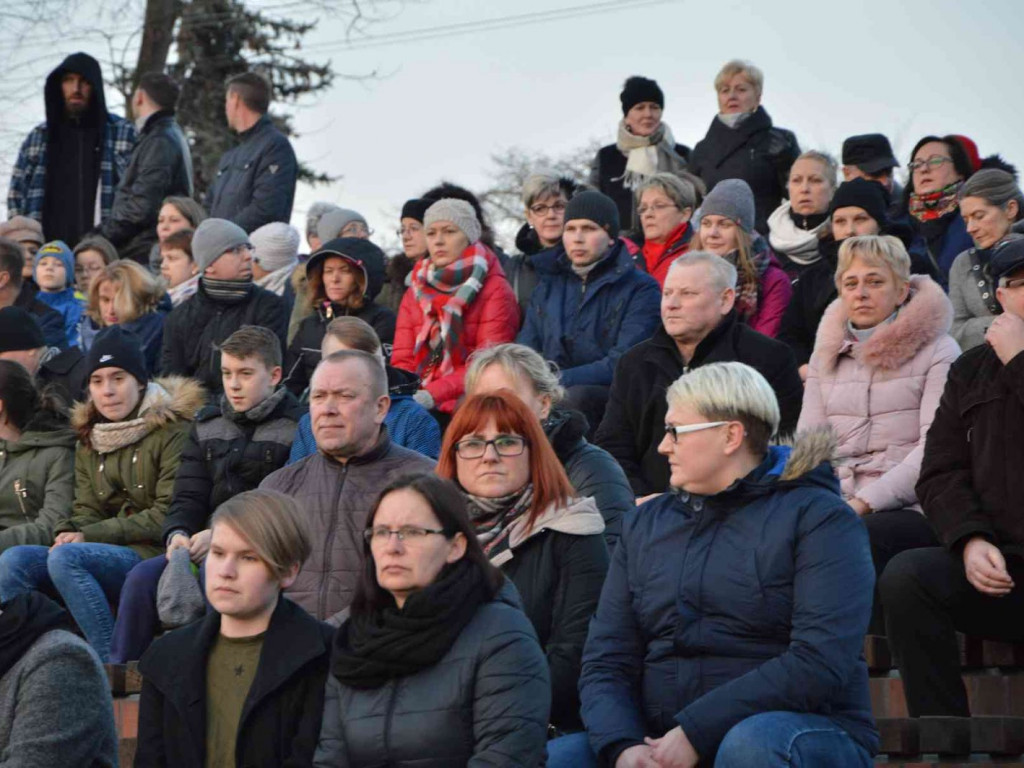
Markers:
{"x": 565, "y": 430}
{"x": 165, "y": 400}
{"x": 580, "y": 517}
{"x": 43, "y": 433}
{"x": 85, "y": 65}
{"x": 924, "y": 317}
{"x": 362, "y": 254}
{"x": 23, "y": 620}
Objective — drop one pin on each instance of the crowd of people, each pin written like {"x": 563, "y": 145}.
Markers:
{"x": 630, "y": 497}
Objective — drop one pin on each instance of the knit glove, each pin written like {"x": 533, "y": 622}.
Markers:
{"x": 424, "y": 398}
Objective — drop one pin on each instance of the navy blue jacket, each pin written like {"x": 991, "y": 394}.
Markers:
{"x": 718, "y": 608}
{"x": 585, "y": 326}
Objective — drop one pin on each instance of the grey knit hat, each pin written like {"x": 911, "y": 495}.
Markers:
{"x": 275, "y": 246}
{"x": 213, "y": 238}
{"x": 179, "y": 598}
{"x": 596, "y": 207}
{"x": 331, "y": 223}
{"x": 731, "y": 198}
{"x": 458, "y": 212}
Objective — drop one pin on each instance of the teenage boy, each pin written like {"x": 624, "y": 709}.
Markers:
{"x": 230, "y": 449}
{"x": 244, "y": 685}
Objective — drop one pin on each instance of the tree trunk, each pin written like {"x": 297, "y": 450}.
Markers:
{"x": 157, "y": 35}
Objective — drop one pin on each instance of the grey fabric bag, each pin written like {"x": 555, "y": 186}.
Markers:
{"x": 179, "y": 598}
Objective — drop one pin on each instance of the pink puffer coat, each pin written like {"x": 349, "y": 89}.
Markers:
{"x": 880, "y": 395}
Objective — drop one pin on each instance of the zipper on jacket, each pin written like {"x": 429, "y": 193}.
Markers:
{"x": 328, "y": 540}
{"x": 21, "y": 493}
{"x": 388, "y": 718}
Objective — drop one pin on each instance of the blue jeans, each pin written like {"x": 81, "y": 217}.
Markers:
{"x": 87, "y": 577}
{"x": 571, "y": 751}
{"x": 777, "y": 739}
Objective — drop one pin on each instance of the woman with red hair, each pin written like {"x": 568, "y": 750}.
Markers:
{"x": 531, "y": 526}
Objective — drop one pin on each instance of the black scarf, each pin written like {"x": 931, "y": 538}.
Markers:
{"x": 371, "y": 649}
{"x": 227, "y": 291}
{"x": 22, "y": 620}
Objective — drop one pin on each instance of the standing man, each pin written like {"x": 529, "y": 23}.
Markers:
{"x": 70, "y": 165}
{"x": 255, "y": 181}
{"x": 161, "y": 166}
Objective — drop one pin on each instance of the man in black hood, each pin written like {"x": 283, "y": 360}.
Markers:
{"x": 70, "y": 165}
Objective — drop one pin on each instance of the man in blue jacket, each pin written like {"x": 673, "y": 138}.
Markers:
{"x": 591, "y": 303}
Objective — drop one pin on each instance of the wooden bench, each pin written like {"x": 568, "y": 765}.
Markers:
{"x": 125, "y": 686}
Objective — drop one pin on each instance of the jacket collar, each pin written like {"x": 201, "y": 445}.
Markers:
{"x": 712, "y": 348}
{"x": 379, "y": 450}
{"x": 258, "y": 127}
{"x": 616, "y": 263}
{"x": 161, "y": 116}
{"x": 731, "y": 139}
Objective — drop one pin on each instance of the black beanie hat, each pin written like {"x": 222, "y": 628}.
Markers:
{"x": 19, "y": 331}
{"x": 415, "y": 209}
{"x": 638, "y": 89}
{"x": 596, "y": 207}
{"x": 115, "y": 347}
{"x": 869, "y": 195}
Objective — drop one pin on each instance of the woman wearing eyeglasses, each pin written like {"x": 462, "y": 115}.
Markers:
{"x": 526, "y": 517}
{"x": 730, "y": 627}
{"x": 436, "y": 665}
{"x": 666, "y": 204}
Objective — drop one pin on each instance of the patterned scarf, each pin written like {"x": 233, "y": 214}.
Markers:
{"x": 493, "y": 518}
{"x": 646, "y": 155}
{"x": 443, "y": 295}
{"x": 227, "y": 291}
{"x": 934, "y": 205}
{"x": 748, "y": 285}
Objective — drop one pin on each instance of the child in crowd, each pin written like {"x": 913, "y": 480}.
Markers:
{"x": 54, "y": 273}
{"x": 177, "y": 267}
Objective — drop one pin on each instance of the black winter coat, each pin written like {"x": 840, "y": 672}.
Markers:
{"x": 255, "y": 182}
{"x": 813, "y": 291}
{"x": 607, "y": 170}
{"x": 195, "y": 328}
{"x": 66, "y": 374}
{"x": 280, "y": 721}
{"x": 756, "y": 152}
{"x": 592, "y": 471}
{"x": 634, "y": 422}
{"x": 226, "y": 455}
{"x": 519, "y": 271}
{"x": 970, "y": 475}
{"x": 485, "y": 703}
{"x": 51, "y": 322}
{"x": 160, "y": 166}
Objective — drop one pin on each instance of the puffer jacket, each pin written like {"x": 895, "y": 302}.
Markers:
{"x": 37, "y": 478}
{"x": 485, "y": 703}
{"x": 592, "y": 470}
{"x": 124, "y": 472}
{"x": 227, "y": 453}
{"x": 337, "y": 498}
{"x": 721, "y": 607}
{"x": 584, "y": 326}
{"x": 491, "y": 318}
{"x": 880, "y": 395}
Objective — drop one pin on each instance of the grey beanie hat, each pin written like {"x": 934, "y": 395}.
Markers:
{"x": 276, "y": 246}
{"x": 179, "y": 598}
{"x": 733, "y": 199}
{"x": 331, "y": 223}
{"x": 213, "y": 237}
{"x": 458, "y": 212}
{"x": 596, "y": 207}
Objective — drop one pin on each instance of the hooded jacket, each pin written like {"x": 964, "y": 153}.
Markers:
{"x": 585, "y": 325}
{"x": 281, "y": 718}
{"x": 485, "y": 703}
{"x": 880, "y": 395}
{"x": 337, "y": 498}
{"x": 36, "y": 481}
{"x": 634, "y": 421}
{"x": 93, "y": 152}
{"x": 721, "y": 607}
{"x": 124, "y": 471}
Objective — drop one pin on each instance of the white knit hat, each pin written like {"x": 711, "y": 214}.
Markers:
{"x": 458, "y": 212}
{"x": 275, "y": 245}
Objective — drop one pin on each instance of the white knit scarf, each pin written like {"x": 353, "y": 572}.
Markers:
{"x": 799, "y": 245}
{"x": 646, "y": 155}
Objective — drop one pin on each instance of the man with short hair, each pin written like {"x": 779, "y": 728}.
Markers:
{"x": 969, "y": 489}
{"x": 81, "y": 148}
{"x": 225, "y": 300}
{"x": 337, "y": 485}
{"x": 22, "y": 340}
{"x": 869, "y": 156}
{"x": 698, "y": 326}
{"x": 160, "y": 167}
{"x": 255, "y": 181}
{"x": 12, "y": 265}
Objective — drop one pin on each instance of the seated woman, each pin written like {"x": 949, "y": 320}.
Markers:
{"x": 876, "y": 375}
{"x": 544, "y": 198}
{"x": 798, "y": 225}
{"x": 991, "y": 203}
{"x": 591, "y": 470}
{"x": 131, "y": 432}
{"x": 459, "y": 301}
{"x": 763, "y": 290}
{"x": 436, "y": 663}
{"x": 342, "y": 278}
{"x": 177, "y": 267}
{"x": 128, "y": 295}
{"x": 733, "y": 616}
{"x": 37, "y": 460}
{"x": 666, "y": 204}
{"x": 176, "y": 214}
{"x": 532, "y": 525}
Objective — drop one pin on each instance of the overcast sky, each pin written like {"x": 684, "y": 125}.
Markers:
{"x": 447, "y": 103}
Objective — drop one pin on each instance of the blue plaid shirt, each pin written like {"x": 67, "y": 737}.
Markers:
{"x": 28, "y": 181}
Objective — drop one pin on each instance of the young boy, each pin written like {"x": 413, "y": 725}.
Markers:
{"x": 55, "y": 275}
{"x": 231, "y": 448}
{"x": 244, "y": 685}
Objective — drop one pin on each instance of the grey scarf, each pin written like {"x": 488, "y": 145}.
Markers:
{"x": 647, "y": 155}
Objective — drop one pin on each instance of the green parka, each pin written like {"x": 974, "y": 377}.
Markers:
{"x": 124, "y": 471}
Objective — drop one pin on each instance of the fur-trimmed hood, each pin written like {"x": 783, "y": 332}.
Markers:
{"x": 165, "y": 400}
{"x": 924, "y": 317}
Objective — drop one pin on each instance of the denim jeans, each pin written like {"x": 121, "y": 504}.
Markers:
{"x": 571, "y": 751}
{"x": 777, "y": 739}
{"x": 87, "y": 577}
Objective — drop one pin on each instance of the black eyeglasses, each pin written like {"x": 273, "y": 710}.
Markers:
{"x": 409, "y": 534}
{"x": 504, "y": 445}
{"x": 542, "y": 210}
